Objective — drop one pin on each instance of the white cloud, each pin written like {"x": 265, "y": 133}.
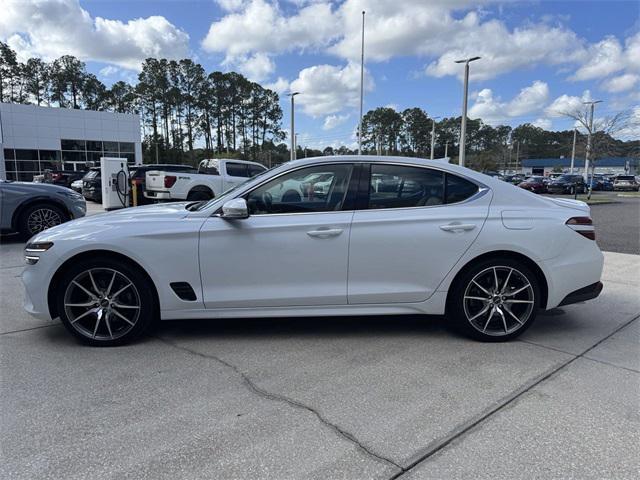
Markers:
{"x": 256, "y": 67}
{"x": 280, "y": 86}
{"x": 260, "y": 27}
{"x": 333, "y": 121}
{"x": 604, "y": 58}
{"x": 51, "y": 28}
{"x": 492, "y": 110}
{"x": 327, "y": 89}
{"x": 621, "y": 83}
{"x": 544, "y": 123}
{"x": 567, "y": 103}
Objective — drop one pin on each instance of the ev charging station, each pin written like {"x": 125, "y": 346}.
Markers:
{"x": 115, "y": 183}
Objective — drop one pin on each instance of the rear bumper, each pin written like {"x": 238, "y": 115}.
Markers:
{"x": 157, "y": 195}
{"x": 583, "y": 294}
{"x": 625, "y": 188}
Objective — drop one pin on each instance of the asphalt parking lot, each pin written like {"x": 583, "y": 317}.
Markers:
{"x": 349, "y": 398}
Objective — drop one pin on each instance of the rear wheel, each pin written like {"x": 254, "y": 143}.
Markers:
{"x": 495, "y": 300}
{"x": 105, "y": 302}
{"x": 39, "y": 217}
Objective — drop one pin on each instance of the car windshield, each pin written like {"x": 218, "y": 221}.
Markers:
{"x": 566, "y": 178}
{"x": 92, "y": 174}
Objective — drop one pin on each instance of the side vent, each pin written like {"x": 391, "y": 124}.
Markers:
{"x": 184, "y": 291}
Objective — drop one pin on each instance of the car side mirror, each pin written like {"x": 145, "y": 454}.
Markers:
{"x": 236, "y": 208}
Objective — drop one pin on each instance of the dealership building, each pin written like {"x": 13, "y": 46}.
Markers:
{"x": 34, "y": 138}
{"x": 607, "y": 165}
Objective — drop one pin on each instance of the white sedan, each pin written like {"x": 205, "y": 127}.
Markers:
{"x": 429, "y": 238}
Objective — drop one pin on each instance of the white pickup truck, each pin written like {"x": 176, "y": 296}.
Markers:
{"x": 214, "y": 177}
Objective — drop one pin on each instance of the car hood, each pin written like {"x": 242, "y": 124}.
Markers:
{"x": 29, "y": 187}
{"x": 92, "y": 226}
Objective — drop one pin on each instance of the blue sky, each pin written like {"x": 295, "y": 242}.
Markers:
{"x": 539, "y": 57}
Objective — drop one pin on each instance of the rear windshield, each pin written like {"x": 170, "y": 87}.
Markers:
{"x": 625, "y": 177}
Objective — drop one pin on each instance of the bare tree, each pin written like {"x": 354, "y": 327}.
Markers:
{"x": 602, "y": 133}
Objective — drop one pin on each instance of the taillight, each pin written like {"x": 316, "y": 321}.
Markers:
{"x": 169, "y": 181}
{"x": 583, "y": 226}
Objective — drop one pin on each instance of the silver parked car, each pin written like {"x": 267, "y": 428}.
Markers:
{"x": 29, "y": 208}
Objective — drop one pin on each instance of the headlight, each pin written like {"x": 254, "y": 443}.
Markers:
{"x": 33, "y": 250}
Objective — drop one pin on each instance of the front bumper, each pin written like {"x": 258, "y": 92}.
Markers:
{"x": 35, "y": 279}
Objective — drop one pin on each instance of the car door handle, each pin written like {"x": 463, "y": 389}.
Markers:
{"x": 325, "y": 232}
{"x": 457, "y": 227}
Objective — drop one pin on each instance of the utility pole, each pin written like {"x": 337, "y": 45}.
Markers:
{"x": 433, "y": 135}
{"x": 292, "y": 132}
{"x": 517, "y": 154}
{"x": 590, "y": 133}
{"x": 463, "y": 126}
{"x": 573, "y": 150}
{"x": 361, "y": 89}
{"x": 446, "y": 149}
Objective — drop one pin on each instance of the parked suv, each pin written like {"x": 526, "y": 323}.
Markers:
{"x": 625, "y": 182}
{"x": 29, "y": 208}
{"x": 92, "y": 185}
{"x": 567, "y": 183}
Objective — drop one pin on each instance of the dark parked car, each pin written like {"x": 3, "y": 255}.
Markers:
{"x": 600, "y": 183}
{"x": 567, "y": 183}
{"x": 625, "y": 183}
{"x": 534, "y": 184}
{"x": 29, "y": 208}
{"x": 92, "y": 185}
{"x": 138, "y": 176}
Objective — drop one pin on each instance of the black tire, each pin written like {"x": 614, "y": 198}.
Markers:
{"x": 195, "y": 195}
{"x": 38, "y": 217}
{"x": 111, "y": 331}
{"x": 461, "y": 313}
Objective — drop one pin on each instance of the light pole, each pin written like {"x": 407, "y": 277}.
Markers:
{"x": 573, "y": 150}
{"x": 463, "y": 126}
{"x": 446, "y": 149}
{"x": 361, "y": 89}
{"x": 517, "y": 154}
{"x": 587, "y": 156}
{"x": 433, "y": 135}
{"x": 292, "y": 133}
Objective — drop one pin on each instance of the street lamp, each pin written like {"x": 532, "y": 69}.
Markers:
{"x": 463, "y": 126}
{"x": 292, "y": 133}
{"x": 433, "y": 135}
{"x": 587, "y": 156}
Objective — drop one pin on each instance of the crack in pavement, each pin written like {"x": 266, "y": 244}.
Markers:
{"x": 282, "y": 398}
{"x": 507, "y": 401}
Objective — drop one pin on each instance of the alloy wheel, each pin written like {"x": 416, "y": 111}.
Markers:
{"x": 43, "y": 218}
{"x": 498, "y": 301}
{"x": 102, "y": 304}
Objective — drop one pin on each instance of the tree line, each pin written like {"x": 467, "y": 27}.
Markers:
{"x": 189, "y": 114}
{"x": 178, "y": 101}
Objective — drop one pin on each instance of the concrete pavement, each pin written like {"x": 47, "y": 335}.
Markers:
{"x": 348, "y": 398}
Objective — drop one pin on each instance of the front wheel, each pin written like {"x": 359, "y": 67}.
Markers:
{"x": 39, "y": 217}
{"x": 105, "y": 302}
{"x": 495, "y": 300}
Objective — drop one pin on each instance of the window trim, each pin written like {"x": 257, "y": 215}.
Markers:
{"x": 363, "y": 191}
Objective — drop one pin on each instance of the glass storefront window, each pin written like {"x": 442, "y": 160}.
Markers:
{"x": 127, "y": 147}
{"x": 9, "y": 165}
{"x": 27, "y": 166}
{"x": 27, "y": 155}
{"x": 9, "y": 153}
{"x": 50, "y": 155}
{"x": 74, "y": 156}
{"x": 94, "y": 145}
{"x": 110, "y": 146}
{"x": 73, "y": 144}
